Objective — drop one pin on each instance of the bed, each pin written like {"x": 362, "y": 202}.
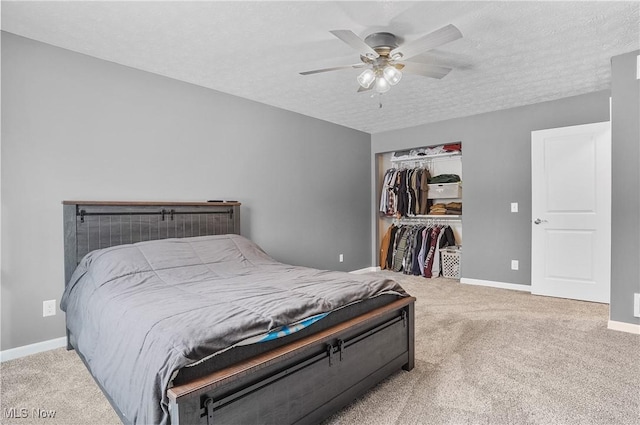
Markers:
{"x": 181, "y": 320}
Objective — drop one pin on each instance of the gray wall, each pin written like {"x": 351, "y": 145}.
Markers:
{"x": 496, "y": 165}
{"x": 75, "y": 127}
{"x": 625, "y": 194}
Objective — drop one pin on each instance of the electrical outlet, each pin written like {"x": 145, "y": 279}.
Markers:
{"x": 514, "y": 207}
{"x": 515, "y": 265}
{"x": 636, "y": 305}
{"x": 48, "y": 308}
{"x": 341, "y": 258}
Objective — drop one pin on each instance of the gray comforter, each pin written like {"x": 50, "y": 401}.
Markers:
{"x": 141, "y": 312}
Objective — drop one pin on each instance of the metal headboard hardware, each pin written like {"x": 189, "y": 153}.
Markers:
{"x": 82, "y": 213}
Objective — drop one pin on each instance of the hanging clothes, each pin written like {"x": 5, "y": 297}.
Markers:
{"x": 415, "y": 248}
{"x": 410, "y": 254}
{"x": 415, "y": 267}
{"x": 446, "y": 239}
{"x": 426, "y": 232}
{"x": 425, "y": 202}
{"x": 404, "y": 192}
{"x": 392, "y": 245}
{"x": 388, "y": 197}
{"x": 384, "y": 248}
{"x": 401, "y": 246}
{"x": 435, "y": 268}
{"x": 401, "y": 194}
{"x": 428, "y": 261}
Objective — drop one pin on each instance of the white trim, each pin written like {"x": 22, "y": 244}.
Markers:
{"x": 501, "y": 285}
{"x": 366, "y": 270}
{"x": 624, "y": 327}
{"x": 38, "y": 347}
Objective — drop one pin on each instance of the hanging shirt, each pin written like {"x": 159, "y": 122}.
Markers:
{"x": 392, "y": 246}
{"x": 435, "y": 269}
{"x": 401, "y": 246}
{"x": 423, "y": 249}
{"x": 415, "y": 268}
{"x": 407, "y": 264}
{"x": 424, "y": 189}
{"x": 401, "y": 193}
{"x": 384, "y": 248}
{"x": 428, "y": 261}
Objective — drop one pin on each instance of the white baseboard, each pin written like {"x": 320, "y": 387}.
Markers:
{"x": 624, "y": 327}
{"x": 501, "y": 285}
{"x": 38, "y": 347}
{"x": 366, "y": 270}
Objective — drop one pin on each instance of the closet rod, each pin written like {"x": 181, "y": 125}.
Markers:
{"x": 419, "y": 220}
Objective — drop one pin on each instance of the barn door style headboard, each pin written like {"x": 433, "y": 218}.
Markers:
{"x": 91, "y": 225}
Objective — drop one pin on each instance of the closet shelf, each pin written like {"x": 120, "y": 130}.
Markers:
{"x": 429, "y": 216}
{"x": 426, "y": 157}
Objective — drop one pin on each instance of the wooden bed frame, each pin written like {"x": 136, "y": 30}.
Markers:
{"x": 302, "y": 382}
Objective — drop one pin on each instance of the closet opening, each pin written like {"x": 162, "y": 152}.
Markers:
{"x": 419, "y": 210}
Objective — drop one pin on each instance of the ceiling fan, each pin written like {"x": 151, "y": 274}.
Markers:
{"x": 385, "y": 60}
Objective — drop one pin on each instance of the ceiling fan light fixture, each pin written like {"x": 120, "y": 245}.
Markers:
{"x": 382, "y": 85}
{"x": 381, "y": 53}
{"x": 366, "y": 78}
{"x": 392, "y": 75}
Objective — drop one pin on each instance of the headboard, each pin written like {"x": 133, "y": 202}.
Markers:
{"x": 91, "y": 225}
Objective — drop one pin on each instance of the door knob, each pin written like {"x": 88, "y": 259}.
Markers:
{"x": 538, "y": 221}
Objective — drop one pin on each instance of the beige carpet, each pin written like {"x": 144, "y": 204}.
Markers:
{"x": 483, "y": 356}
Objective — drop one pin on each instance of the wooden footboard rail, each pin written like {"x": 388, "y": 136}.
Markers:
{"x": 307, "y": 380}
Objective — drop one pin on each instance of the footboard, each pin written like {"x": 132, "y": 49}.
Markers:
{"x": 306, "y": 381}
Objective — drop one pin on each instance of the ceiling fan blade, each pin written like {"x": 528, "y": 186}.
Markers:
{"x": 362, "y": 89}
{"x": 335, "y": 68}
{"x": 426, "y": 70}
{"x": 356, "y": 42}
{"x": 432, "y": 40}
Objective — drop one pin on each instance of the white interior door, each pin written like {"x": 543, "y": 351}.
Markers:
{"x": 571, "y": 212}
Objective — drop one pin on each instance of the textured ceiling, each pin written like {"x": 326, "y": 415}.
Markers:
{"x": 511, "y": 53}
